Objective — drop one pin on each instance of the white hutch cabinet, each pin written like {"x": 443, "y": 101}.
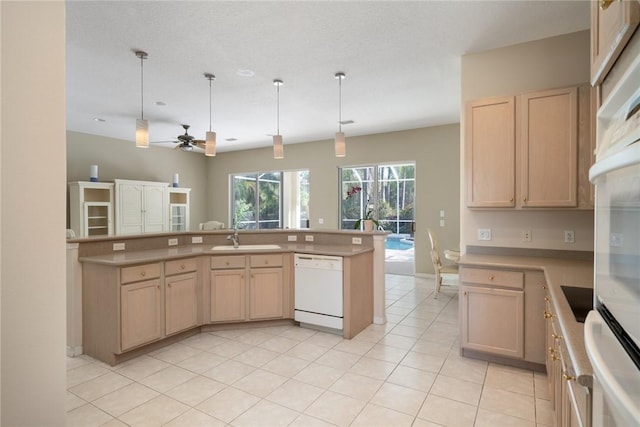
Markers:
{"x": 141, "y": 206}
{"x": 91, "y": 208}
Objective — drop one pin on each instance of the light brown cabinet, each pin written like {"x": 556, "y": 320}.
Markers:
{"x": 522, "y": 151}
{"x": 247, "y": 287}
{"x": 181, "y": 295}
{"x": 266, "y": 287}
{"x": 490, "y": 152}
{"x": 612, "y": 25}
{"x": 492, "y": 311}
{"x": 570, "y": 401}
{"x": 499, "y": 312}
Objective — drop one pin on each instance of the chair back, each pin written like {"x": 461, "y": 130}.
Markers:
{"x": 435, "y": 259}
{"x": 433, "y": 239}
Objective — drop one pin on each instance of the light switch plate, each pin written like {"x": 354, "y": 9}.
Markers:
{"x": 569, "y": 236}
{"x": 118, "y": 246}
{"x": 293, "y": 238}
{"x": 356, "y": 240}
{"x": 173, "y": 242}
{"x": 196, "y": 239}
{"x": 308, "y": 238}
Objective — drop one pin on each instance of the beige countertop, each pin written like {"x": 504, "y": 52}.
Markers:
{"x": 558, "y": 272}
{"x": 163, "y": 254}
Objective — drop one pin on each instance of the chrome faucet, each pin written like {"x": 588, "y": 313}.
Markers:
{"x": 234, "y": 238}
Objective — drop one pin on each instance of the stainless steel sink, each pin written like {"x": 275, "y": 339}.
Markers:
{"x": 246, "y": 247}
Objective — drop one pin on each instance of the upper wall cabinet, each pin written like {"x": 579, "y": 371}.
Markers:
{"x": 522, "y": 151}
{"x": 612, "y": 25}
{"x": 91, "y": 208}
{"x": 490, "y": 152}
{"x": 141, "y": 206}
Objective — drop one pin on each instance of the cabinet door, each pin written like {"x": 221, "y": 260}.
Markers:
{"x": 266, "y": 294}
{"x": 129, "y": 205}
{"x": 612, "y": 25}
{"x": 490, "y": 152}
{"x": 181, "y": 303}
{"x": 155, "y": 208}
{"x": 492, "y": 320}
{"x": 549, "y": 138}
{"x": 227, "y": 295}
{"x": 140, "y": 313}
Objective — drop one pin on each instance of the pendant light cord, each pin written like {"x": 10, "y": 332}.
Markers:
{"x": 278, "y": 110}
{"x": 142, "y": 87}
{"x": 340, "y": 103}
{"x": 210, "y": 79}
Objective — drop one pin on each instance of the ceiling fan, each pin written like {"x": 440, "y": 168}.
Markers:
{"x": 185, "y": 141}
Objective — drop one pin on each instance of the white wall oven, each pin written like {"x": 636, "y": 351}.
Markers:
{"x": 612, "y": 330}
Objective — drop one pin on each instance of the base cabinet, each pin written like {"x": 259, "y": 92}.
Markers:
{"x": 140, "y": 313}
{"x": 250, "y": 287}
{"x": 492, "y": 320}
{"x": 499, "y": 312}
{"x": 181, "y": 295}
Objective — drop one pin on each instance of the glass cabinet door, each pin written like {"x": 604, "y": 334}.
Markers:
{"x": 178, "y": 217}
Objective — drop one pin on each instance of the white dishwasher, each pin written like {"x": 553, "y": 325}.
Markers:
{"x": 318, "y": 290}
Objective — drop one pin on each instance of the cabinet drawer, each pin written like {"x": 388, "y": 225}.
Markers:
{"x": 236, "y": 261}
{"x": 271, "y": 260}
{"x": 503, "y": 278}
{"x": 140, "y": 272}
{"x": 180, "y": 266}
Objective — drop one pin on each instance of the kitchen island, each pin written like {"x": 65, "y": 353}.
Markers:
{"x": 164, "y": 287}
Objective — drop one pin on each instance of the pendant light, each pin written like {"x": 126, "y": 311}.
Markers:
{"x": 278, "y": 148}
{"x": 142, "y": 125}
{"x": 210, "y": 140}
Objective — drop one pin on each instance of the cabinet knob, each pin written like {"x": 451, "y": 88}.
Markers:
{"x": 524, "y": 199}
{"x": 568, "y": 377}
{"x": 143, "y": 273}
{"x": 547, "y": 299}
{"x": 182, "y": 267}
{"x": 551, "y": 350}
{"x": 604, "y": 4}
{"x": 266, "y": 262}
{"x": 547, "y": 315}
{"x": 158, "y": 286}
{"x": 491, "y": 277}
{"x": 556, "y": 337}
{"x": 511, "y": 199}
{"x": 554, "y": 357}
{"x": 168, "y": 284}
{"x": 465, "y": 293}
{"x": 227, "y": 263}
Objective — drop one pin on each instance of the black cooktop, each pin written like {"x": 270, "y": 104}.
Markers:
{"x": 580, "y": 300}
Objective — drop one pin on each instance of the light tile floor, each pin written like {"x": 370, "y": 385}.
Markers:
{"x": 405, "y": 373}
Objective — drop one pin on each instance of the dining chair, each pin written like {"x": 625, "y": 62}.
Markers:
{"x": 440, "y": 268}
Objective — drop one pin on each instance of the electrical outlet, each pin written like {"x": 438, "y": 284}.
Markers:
{"x": 308, "y": 238}
{"x": 196, "y": 239}
{"x": 118, "y": 246}
{"x": 526, "y": 236}
{"x": 356, "y": 240}
{"x": 173, "y": 242}
{"x": 442, "y": 223}
{"x": 320, "y": 220}
{"x": 293, "y": 238}
{"x": 484, "y": 234}
{"x": 569, "y": 237}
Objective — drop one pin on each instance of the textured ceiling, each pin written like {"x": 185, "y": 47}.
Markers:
{"x": 401, "y": 59}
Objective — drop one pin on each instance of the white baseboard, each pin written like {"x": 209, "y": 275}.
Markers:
{"x": 74, "y": 351}
{"x": 379, "y": 320}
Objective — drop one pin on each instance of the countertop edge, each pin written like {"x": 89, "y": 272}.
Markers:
{"x": 157, "y": 255}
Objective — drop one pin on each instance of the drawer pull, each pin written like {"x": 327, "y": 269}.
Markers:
{"x": 547, "y": 315}
{"x": 266, "y": 261}
{"x": 568, "y": 377}
{"x": 227, "y": 262}
{"x": 182, "y": 267}
{"x": 143, "y": 273}
{"x": 547, "y": 299}
{"x": 556, "y": 337}
{"x": 491, "y": 277}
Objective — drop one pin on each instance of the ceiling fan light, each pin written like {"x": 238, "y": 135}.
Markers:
{"x": 340, "y": 145}
{"x": 278, "y": 148}
{"x": 142, "y": 133}
{"x": 210, "y": 144}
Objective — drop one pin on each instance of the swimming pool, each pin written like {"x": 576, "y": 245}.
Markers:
{"x": 399, "y": 243}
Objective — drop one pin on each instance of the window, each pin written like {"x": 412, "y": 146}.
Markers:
{"x": 259, "y": 200}
{"x": 387, "y": 191}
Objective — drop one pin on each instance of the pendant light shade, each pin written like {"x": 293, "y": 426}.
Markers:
{"x": 210, "y": 138}
{"x": 278, "y": 147}
{"x": 142, "y": 125}
{"x": 340, "y": 145}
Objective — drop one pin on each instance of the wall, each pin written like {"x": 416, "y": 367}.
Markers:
{"x": 435, "y": 151}
{"x": 542, "y": 64}
{"x": 33, "y": 310}
{"x": 121, "y": 159}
